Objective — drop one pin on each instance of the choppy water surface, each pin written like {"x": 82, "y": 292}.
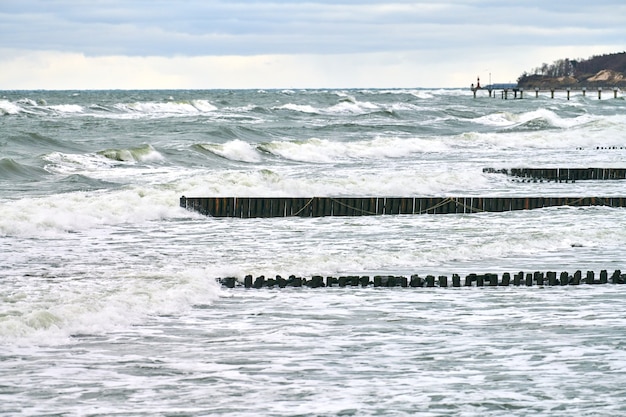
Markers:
{"x": 108, "y": 300}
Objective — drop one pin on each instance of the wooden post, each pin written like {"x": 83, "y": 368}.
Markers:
{"x": 430, "y": 280}
{"x": 248, "y": 281}
{"x": 604, "y": 277}
{"x": 416, "y": 281}
{"x": 456, "y": 280}
{"x": 259, "y": 282}
{"x": 443, "y": 281}
{"x": 529, "y": 280}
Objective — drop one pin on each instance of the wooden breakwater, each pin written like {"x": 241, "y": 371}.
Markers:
{"x": 562, "y": 174}
{"x": 248, "y": 207}
{"x": 521, "y": 278}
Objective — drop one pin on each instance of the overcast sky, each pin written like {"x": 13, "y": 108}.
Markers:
{"x": 194, "y": 44}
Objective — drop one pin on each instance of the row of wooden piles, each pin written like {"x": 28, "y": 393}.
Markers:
{"x": 563, "y": 174}
{"x": 521, "y": 278}
{"x": 248, "y": 207}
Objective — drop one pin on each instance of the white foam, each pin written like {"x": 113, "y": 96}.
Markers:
{"x": 8, "y": 108}
{"x": 49, "y": 311}
{"x": 325, "y": 151}
{"x": 235, "y": 150}
{"x": 299, "y": 108}
{"x": 56, "y": 215}
{"x": 167, "y": 108}
{"x": 352, "y": 107}
{"x": 67, "y": 108}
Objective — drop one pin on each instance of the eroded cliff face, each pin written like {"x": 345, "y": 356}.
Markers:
{"x": 603, "y": 78}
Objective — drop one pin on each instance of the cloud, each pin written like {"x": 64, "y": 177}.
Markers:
{"x": 290, "y": 27}
{"x": 279, "y": 43}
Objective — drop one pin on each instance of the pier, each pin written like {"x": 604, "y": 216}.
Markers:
{"x": 527, "y": 279}
{"x": 249, "y": 207}
{"x": 519, "y": 93}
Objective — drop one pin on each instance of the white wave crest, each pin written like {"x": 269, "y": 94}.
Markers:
{"x": 325, "y": 151}
{"x": 8, "y": 108}
{"x": 168, "y": 108}
{"x": 235, "y": 150}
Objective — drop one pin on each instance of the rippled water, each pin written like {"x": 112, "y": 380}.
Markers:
{"x": 109, "y": 305}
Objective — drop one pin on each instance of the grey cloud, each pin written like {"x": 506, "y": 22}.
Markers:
{"x": 196, "y": 27}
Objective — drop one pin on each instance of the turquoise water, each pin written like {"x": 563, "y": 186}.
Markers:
{"x": 109, "y": 305}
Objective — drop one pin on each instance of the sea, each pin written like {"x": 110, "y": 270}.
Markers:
{"x": 109, "y": 304}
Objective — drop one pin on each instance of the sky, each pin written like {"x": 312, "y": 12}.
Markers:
{"x": 237, "y": 44}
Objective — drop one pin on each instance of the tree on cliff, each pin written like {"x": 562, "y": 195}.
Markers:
{"x": 576, "y": 71}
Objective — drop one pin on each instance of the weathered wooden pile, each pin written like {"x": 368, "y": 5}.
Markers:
{"x": 521, "y": 278}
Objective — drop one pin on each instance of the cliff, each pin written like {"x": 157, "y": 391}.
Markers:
{"x": 599, "y": 71}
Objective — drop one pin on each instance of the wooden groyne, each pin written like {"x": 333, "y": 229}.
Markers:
{"x": 563, "y": 174}
{"x": 521, "y": 278}
{"x": 247, "y": 207}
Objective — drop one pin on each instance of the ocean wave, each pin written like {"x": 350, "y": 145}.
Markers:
{"x": 347, "y": 105}
{"x": 7, "y": 108}
{"x": 59, "y": 307}
{"x": 533, "y": 120}
{"x": 67, "y": 163}
{"x": 12, "y": 170}
{"x": 168, "y": 108}
{"x": 302, "y": 108}
{"x": 326, "y": 151}
{"x": 139, "y": 154}
{"x": 235, "y": 150}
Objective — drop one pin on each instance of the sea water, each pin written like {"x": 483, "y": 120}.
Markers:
{"x": 108, "y": 299}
